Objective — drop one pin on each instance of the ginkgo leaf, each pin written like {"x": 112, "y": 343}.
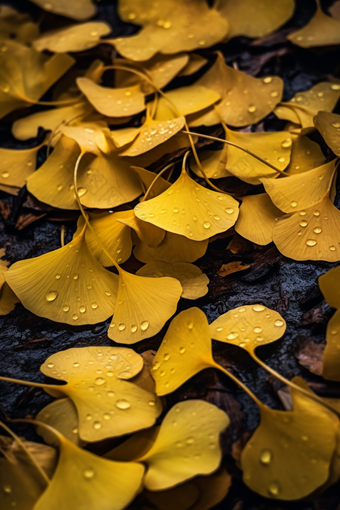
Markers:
{"x": 321, "y": 30}
{"x": 8, "y": 299}
{"x": 147, "y": 179}
{"x": 90, "y": 481}
{"x": 329, "y": 286}
{"x": 272, "y": 147}
{"x": 124, "y": 136}
{"x": 146, "y": 232}
{"x": 123, "y": 407}
{"x": 77, "y": 9}
{"x": 184, "y": 352}
{"x": 195, "y": 63}
{"x": 302, "y": 108}
{"x": 173, "y": 248}
{"x": 28, "y": 127}
{"x": 257, "y": 218}
{"x": 17, "y": 165}
{"x": 311, "y": 234}
{"x": 193, "y": 281}
{"x": 248, "y": 327}
{"x": 245, "y": 100}
{"x": 21, "y": 483}
{"x": 185, "y": 101}
{"x": 103, "y": 181}
{"x": 66, "y": 285}
{"x": 197, "y": 423}
{"x": 143, "y": 306}
{"x": 190, "y": 210}
{"x": 289, "y": 446}
{"x": 169, "y": 28}
{"x": 305, "y": 155}
{"x": 153, "y": 133}
{"x": 62, "y": 416}
{"x": 18, "y": 26}
{"x": 328, "y": 124}
{"x": 73, "y": 38}
{"x": 251, "y": 19}
{"x": 113, "y": 102}
{"x": 181, "y": 497}
{"x": 162, "y": 69}
{"x": 109, "y": 233}
{"x": 213, "y": 489}
{"x": 213, "y": 166}
{"x": 301, "y": 191}
{"x": 93, "y": 137}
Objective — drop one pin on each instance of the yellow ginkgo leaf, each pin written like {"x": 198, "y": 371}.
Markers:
{"x": 153, "y": 133}
{"x": 272, "y": 147}
{"x": 301, "y": 191}
{"x": 90, "y": 481}
{"x": 124, "y": 136}
{"x": 123, "y": 406}
{"x": 107, "y": 232}
{"x": 329, "y": 285}
{"x": 213, "y": 166}
{"x": 311, "y": 234}
{"x": 77, "y": 9}
{"x": 193, "y": 281}
{"x": 147, "y": 179}
{"x": 257, "y": 218}
{"x": 302, "y": 108}
{"x": 21, "y": 482}
{"x": 184, "y": 352}
{"x": 289, "y": 446}
{"x": 66, "y": 285}
{"x": 93, "y": 137}
{"x": 190, "y": 210}
{"x": 169, "y": 28}
{"x": 245, "y": 100}
{"x": 185, "y": 101}
{"x": 28, "y": 127}
{"x": 162, "y": 69}
{"x": 17, "y": 165}
{"x": 61, "y": 415}
{"x": 113, "y": 102}
{"x": 181, "y": 497}
{"x": 248, "y": 327}
{"x": 305, "y": 155}
{"x": 164, "y": 459}
{"x": 195, "y": 63}
{"x": 8, "y": 299}
{"x": 146, "y": 232}
{"x": 173, "y": 248}
{"x": 321, "y": 30}
{"x": 3, "y": 266}
{"x": 143, "y": 306}
{"x": 251, "y": 19}
{"x": 73, "y": 38}
{"x": 328, "y": 124}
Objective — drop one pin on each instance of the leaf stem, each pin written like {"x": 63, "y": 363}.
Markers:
{"x": 241, "y": 385}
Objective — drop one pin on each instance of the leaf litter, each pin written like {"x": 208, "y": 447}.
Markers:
{"x": 107, "y": 134}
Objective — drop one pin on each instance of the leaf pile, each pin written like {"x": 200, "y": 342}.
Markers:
{"x": 133, "y": 155}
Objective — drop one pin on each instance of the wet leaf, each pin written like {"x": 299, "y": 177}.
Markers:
{"x": 190, "y": 210}
{"x": 185, "y": 101}
{"x": 146, "y": 232}
{"x": 113, "y": 102}
{"x": 66, "y": 285}
{"x": 62, "y": 416}
{"x": 143, "y": 306}
{"x": 321, "y": 30}
{"x": 248, "y": 327}
{"x": 193, "y": 281}
{"x": 328, "y": 124}
{"x": 78, "y": 9}
{"x": 257, "y": 218}
{"x": 73, "y": 38}
{"x": 170, "y": 28}
{"x": 298, "y": 192}
{"x": 245, "y": 100}
{"x": 305, "y": 155}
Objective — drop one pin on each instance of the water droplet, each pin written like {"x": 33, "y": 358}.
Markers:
{"x": 121, "y": 327}
{"x": 50, "y": 365}
{"x": 259, "y": 308}
{"x": 281, "y": 159}
{"x": 51, "y": 296}
{"x": 144, "y": 325}
{"x": 336, "y": 124}
{"x": 311, "y": 242}
{"x": 274, "y": 93}
{"x": 190, "y": 325}
{"x": 273, "y": 489}
{"x": 7, "y": 489}
{"x": 251, "y": 108}
{"x": 182, "y": 350}
{"x": 75, "y": 277}
{"x": 257, "y": 330}
{"x": 335, "y": 86}
{"x": 278, "y": 323}
{"x": 219, "y": 329}
{"x": 134, "y": 328}
{"x": 229, "y": 211}
{"x": 66, "y": 308}
{"x": 316, "y": 213}
{"x": 5, "y": 175}
{"x": 81, "y": 191}
{"x": 287, "y": 142}
{"x": 166, "y": 356}
{"x": 293, "y": 204}
{"x": 123, "y": 404}
{"x": 267, "y": 79}
{"x": 303, "y": 223}
{"x": 190, "y": 440}
{"x": 100, "y": 381}
{"x": 82, "y": 309}
{"x": 75, "y": 317}
{"x": 232, "y": 336}
{"x": 94, "y": 306}
{"x": 317, "y": 230}
{"x": 266, "y": 457}
{"x": 332, "y": 248}
{"x": 97, "y": 425}
{"x": 152, "y": 403}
